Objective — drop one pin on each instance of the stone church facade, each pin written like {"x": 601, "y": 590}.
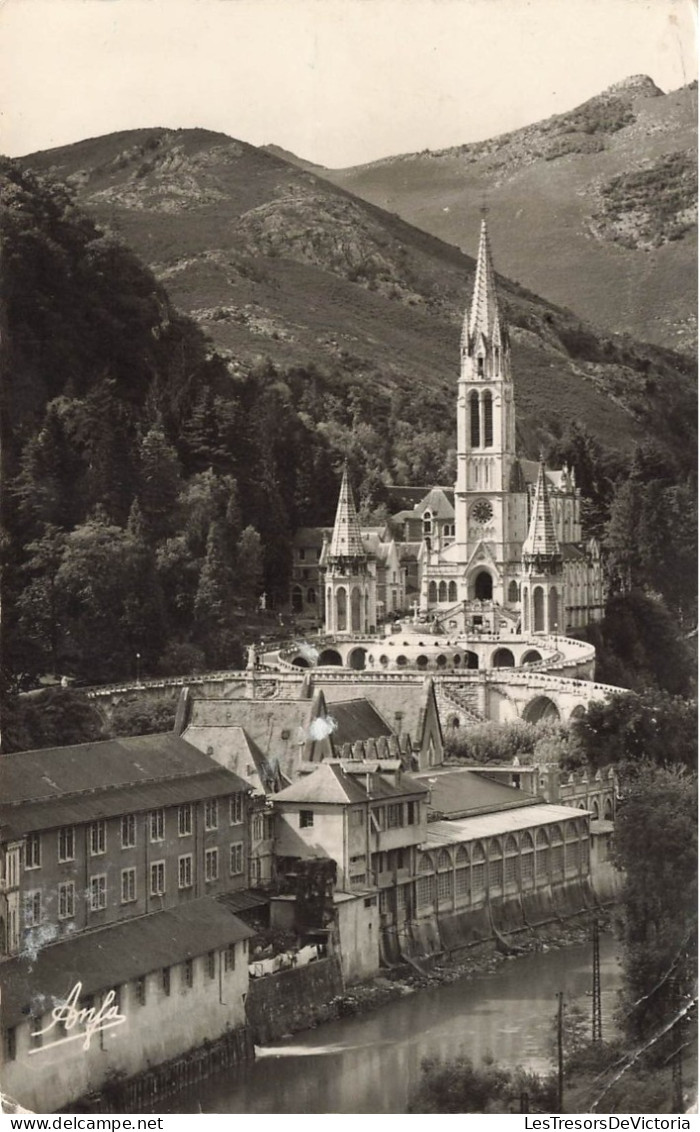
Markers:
{"x": 502, "y": 551}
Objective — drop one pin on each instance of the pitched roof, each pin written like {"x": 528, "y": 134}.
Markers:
{"x": 541, "y": 538}
{"x": 233, "y": 749}
{"x": 346, "y": 540}
{"x": 55, "y": 771}
{"x": 402, "y": 703}
{"x": 335, "y": 783}
{"x": 459, "y": 793}
{"x": 111, "y": 956}
{"x": 357, "y": 719}
{"x": 440, "y": 501}
{"x": 279, "y": 729}
{"x": 67, "y": 785}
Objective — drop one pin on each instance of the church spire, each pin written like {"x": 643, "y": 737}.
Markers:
{"x": 484, "y": 333}
{"x": 541, "y": 548}
{"x": 346, "y": 540}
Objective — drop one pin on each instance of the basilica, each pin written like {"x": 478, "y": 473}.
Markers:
{"x": 502, "y": 551}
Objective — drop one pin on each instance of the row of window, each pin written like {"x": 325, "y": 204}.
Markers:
{"x": 97, "y": 885}
{"x": 97, "y": 830}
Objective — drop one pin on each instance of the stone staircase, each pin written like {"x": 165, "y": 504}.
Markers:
{"x": 461, "y": 701}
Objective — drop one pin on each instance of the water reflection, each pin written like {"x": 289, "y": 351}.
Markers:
{"x": 370, "y": 1064}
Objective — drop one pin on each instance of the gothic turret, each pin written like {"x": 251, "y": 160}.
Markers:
{"x": 346, "y": 540}
{"x": 350, "y": 580}
{"x": 541, "y": 548}
{"x": 542, "y": 580}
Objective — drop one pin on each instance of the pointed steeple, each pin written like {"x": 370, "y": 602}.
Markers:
{"x": 484, "y": 332}
{"x": 541, "y": 548}
{"x": 346, "y": 540}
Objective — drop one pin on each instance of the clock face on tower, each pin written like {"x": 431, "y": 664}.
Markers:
{"x": 482, "y": 511}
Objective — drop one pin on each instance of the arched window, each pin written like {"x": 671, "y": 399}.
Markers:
{"x": 538, "y": 602}
{"x": 452, "y": 589}
{"x": 478, "y": 872}
{"x": 474, "y": 420}
{"x": 557, "y": 854}
{"x": 444, "y": 877}
{"x": 427, "y": 523}
{"x": 553, "y": 610}
{"x": 341, "y": 606}
{"x": 432, "y": 593}
{"x": 462, "y": 876}
{"x": 527, "y": 861}
{"x": 511, "y": 869}
{"x": 542, "y": 857}
{"x": 356, "y": 609}
{"x": 311, "y": 596}
{"x": 442, "y": 591}
{"x": 495, "y": 863}
{"x": 513, "y": 591}
{"x": 297, "y": 600}
{"x": 488, "y": 420}
{"x": 480, "y": 365}
{"x": 526, "y": 612}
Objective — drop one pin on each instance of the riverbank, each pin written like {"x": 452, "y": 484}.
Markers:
{"x": 482, "y": 959}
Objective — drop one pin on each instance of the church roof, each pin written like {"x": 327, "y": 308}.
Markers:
{"x": 356, "y": 720}
{"x": 541, "y": 537}
{"x": 483, "y": 317}
{"x": 558, "y": 479}
{"x": 346, "y": 540}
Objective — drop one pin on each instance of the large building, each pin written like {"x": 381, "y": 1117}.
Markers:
{"x": 503, "y": 550}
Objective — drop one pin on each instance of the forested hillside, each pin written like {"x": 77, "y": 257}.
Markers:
{"x": 152, "y": 484}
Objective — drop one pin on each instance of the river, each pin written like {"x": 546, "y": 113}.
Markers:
{"x": 371, "y": 1062}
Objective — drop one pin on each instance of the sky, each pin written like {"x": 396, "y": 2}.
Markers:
{"x": 339, "y": 82}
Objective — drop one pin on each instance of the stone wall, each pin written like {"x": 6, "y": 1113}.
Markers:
{"x": 293, "y": 1000}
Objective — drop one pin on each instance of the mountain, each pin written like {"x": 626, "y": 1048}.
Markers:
{"x": 596, "y": 209}
{"x": 276, "y": 263}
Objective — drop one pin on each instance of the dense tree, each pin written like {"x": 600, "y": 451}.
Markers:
{"x": 51, "y": 717}
{"x": 656, "y": 848}
{"x": 629, "y": 728}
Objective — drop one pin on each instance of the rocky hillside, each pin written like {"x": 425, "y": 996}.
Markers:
{"x": 595, "y": 209}
{"x": 275, "y": 262}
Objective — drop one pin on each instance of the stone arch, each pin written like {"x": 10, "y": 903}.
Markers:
{"x": 540, "y": 709}
{"x": 300, "y": 662}
{"x": 341, "y": 609}
{"x": 432, "y": 593}
{"x": 578, "y": 712}
{"x": 442, "y": 591}
{"x": 608, "y": 809}
{"x": 357, "y": 659}
{"x": 538, "y": 609}
{"x": 425, "y": 863}
{"x": 488, "y": 420}
{"x": 472, "y": 660}
{"x": 503, "y": 658}
{"x": 531, "y": 657}
{"x": 595, "y": 810}
{"x": 330, "y": 656}
{"x": 483, "y": 586}
{"x": 356, "y": 610}
{"x": 452, "y": 591}
{"x": 444, "y": 861}
{"x": 513, "y": 594}
{"x": 297, "y": 599}
{"x": 457, "y": 660}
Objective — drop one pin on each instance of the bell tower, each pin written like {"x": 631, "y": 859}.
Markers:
{"x": 486, "y": 510}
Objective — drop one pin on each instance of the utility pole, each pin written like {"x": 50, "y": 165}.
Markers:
{"x": 560, "y": 1052}
{"x": 597, "y": 1028}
